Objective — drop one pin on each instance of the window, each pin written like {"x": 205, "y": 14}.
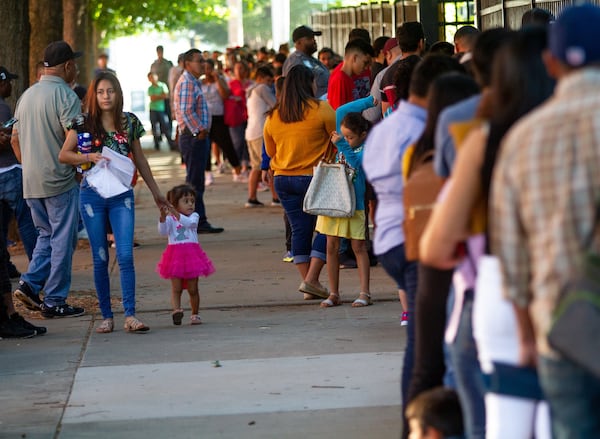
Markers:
{"x": 453, "y": 15}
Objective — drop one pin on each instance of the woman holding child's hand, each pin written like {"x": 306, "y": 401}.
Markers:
{"x": 108, "y": 126}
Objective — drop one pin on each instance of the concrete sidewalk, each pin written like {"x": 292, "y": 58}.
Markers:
{"x": 288, "y": 369}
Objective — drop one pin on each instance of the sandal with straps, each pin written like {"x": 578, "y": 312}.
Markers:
{"x": 105, "y": 327}
{"x": 177, "y": 316}
{"x": 360, "y": 302}
{"x": 132, "y": 324}
{"x": 332, "y": 300}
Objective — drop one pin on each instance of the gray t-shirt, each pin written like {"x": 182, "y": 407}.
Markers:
{"x": 318, "y": 68}
{"x": 44, "y": 113}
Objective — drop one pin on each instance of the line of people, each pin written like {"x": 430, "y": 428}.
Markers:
{"x": 507, "y": 130}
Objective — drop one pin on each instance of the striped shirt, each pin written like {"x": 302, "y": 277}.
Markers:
{"x": 190, "y": 106}
{"x": 545, "y": 197}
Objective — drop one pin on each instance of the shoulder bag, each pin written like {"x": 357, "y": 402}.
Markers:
{"x": 331, "y": 191}
{"x": 575, "y": 331}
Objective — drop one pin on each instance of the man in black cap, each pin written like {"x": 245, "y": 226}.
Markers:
{"x": 11, "y": 199}
{"x": 45, "y": 112}
{"x": 306, "y": 45}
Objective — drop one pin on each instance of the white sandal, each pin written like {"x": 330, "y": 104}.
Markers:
{"x": 358, "y": 303}
{"x": 132, "y": 324}
{"x": 332, "y": 300}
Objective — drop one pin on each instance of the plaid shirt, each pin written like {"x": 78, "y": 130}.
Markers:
{"x": 545, "y": 197}
{"x": 190, "y": 106}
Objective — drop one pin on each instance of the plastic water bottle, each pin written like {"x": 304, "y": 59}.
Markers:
{"x": 84, "y": 146}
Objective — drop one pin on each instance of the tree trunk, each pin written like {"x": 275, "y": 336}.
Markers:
{"x": 14, "y": 50}
{"x": 77, "y": 32}
{"x": 46, "y": 18}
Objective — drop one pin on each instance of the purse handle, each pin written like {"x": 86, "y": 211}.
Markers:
{"x": 330, "y": 153}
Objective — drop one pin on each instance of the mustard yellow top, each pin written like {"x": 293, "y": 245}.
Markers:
{"x": 295, "y": 148}
{"x": 459, "y": 132}
{"x": 406, "y": 158}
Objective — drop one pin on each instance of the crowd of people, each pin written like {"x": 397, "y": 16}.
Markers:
{"x": 475, "y": 173}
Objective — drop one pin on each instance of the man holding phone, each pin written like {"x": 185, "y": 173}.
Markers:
{"x": 11, "y": 201}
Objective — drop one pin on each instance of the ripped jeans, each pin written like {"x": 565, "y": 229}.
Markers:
{"x": 96, "y": 213}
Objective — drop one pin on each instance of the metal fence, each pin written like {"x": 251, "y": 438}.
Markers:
{"x": 382, "y": 18}
{"x": 378, "y": 18}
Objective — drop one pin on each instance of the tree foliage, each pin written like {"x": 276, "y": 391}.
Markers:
{"x": 115, "y": 18}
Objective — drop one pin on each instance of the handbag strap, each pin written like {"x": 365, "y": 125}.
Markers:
{"x": 330, "y": 153}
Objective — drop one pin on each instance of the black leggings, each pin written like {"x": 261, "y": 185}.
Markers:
{"x": 219, "y": 133}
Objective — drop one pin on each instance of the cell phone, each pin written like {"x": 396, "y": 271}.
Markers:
{"x": 9, "y": 123}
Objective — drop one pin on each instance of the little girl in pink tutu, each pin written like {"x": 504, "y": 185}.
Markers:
{"x": 183, "y": 260}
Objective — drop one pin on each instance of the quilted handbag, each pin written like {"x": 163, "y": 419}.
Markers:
{"x": 331, "y": 192}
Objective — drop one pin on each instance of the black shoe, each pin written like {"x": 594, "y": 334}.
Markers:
{"x": 18, "y": 318}
{"x": 207, "y": 228}
{"x": 13, "y": 273}
{"x": 253, "y": 203}
{"x": 26, "y": 295}
{"x": 61, "y": 311}
{"x": 13, "y": 329}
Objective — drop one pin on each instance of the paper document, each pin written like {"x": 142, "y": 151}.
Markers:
{"x": 112, "y": 175}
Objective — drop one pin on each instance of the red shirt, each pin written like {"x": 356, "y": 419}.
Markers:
{"x": 340, "y": 89}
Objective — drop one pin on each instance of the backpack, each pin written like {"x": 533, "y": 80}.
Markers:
{"x": 420, "y": 194}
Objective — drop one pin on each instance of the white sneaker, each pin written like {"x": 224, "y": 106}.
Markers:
{"x": 262, "y": 187}
{"x": 208, "y": 178}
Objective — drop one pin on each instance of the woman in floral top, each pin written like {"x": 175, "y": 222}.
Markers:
{"x": 110, "y": 127}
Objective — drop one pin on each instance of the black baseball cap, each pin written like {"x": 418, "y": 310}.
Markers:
{"x": 304, "y": 31}
{"x": 59, "y": 52}
{"x": 5, "y": 75}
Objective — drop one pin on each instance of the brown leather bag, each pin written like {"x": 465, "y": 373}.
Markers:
{"x": 420, "y": 194}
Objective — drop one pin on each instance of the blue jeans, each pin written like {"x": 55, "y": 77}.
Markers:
{"x": 195, "y": 154}
{"x": 159, "y": 121}
{"x": 97, "y": 212}
{"x": 449, "y": 379}
{"x": 291, "y": 191}
{"x": 404, "y": 274}
{"x": 11, "y": 193}
{"x": 238, "y": 137}
{"x": 574, "y": 398}
{"x": 50, "y": 268}
{"x": 467, "y": 373}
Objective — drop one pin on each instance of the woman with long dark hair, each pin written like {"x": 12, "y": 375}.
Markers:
{"x": 296, "y": 134}
{"x": 108, "y": 126}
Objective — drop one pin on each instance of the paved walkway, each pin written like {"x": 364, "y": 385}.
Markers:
{"x": 265, "y": 363}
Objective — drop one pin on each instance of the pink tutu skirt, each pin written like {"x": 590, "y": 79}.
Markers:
{"x": 184, "y": 261}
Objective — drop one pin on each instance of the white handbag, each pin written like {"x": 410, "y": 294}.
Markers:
{"x": 331, "y": 192}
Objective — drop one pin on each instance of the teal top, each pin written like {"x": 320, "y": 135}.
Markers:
{"x": 158, "y": 89}
{"x": 353, "y": 155}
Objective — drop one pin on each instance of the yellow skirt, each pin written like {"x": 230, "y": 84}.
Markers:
{"x": 351, "y": 228}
